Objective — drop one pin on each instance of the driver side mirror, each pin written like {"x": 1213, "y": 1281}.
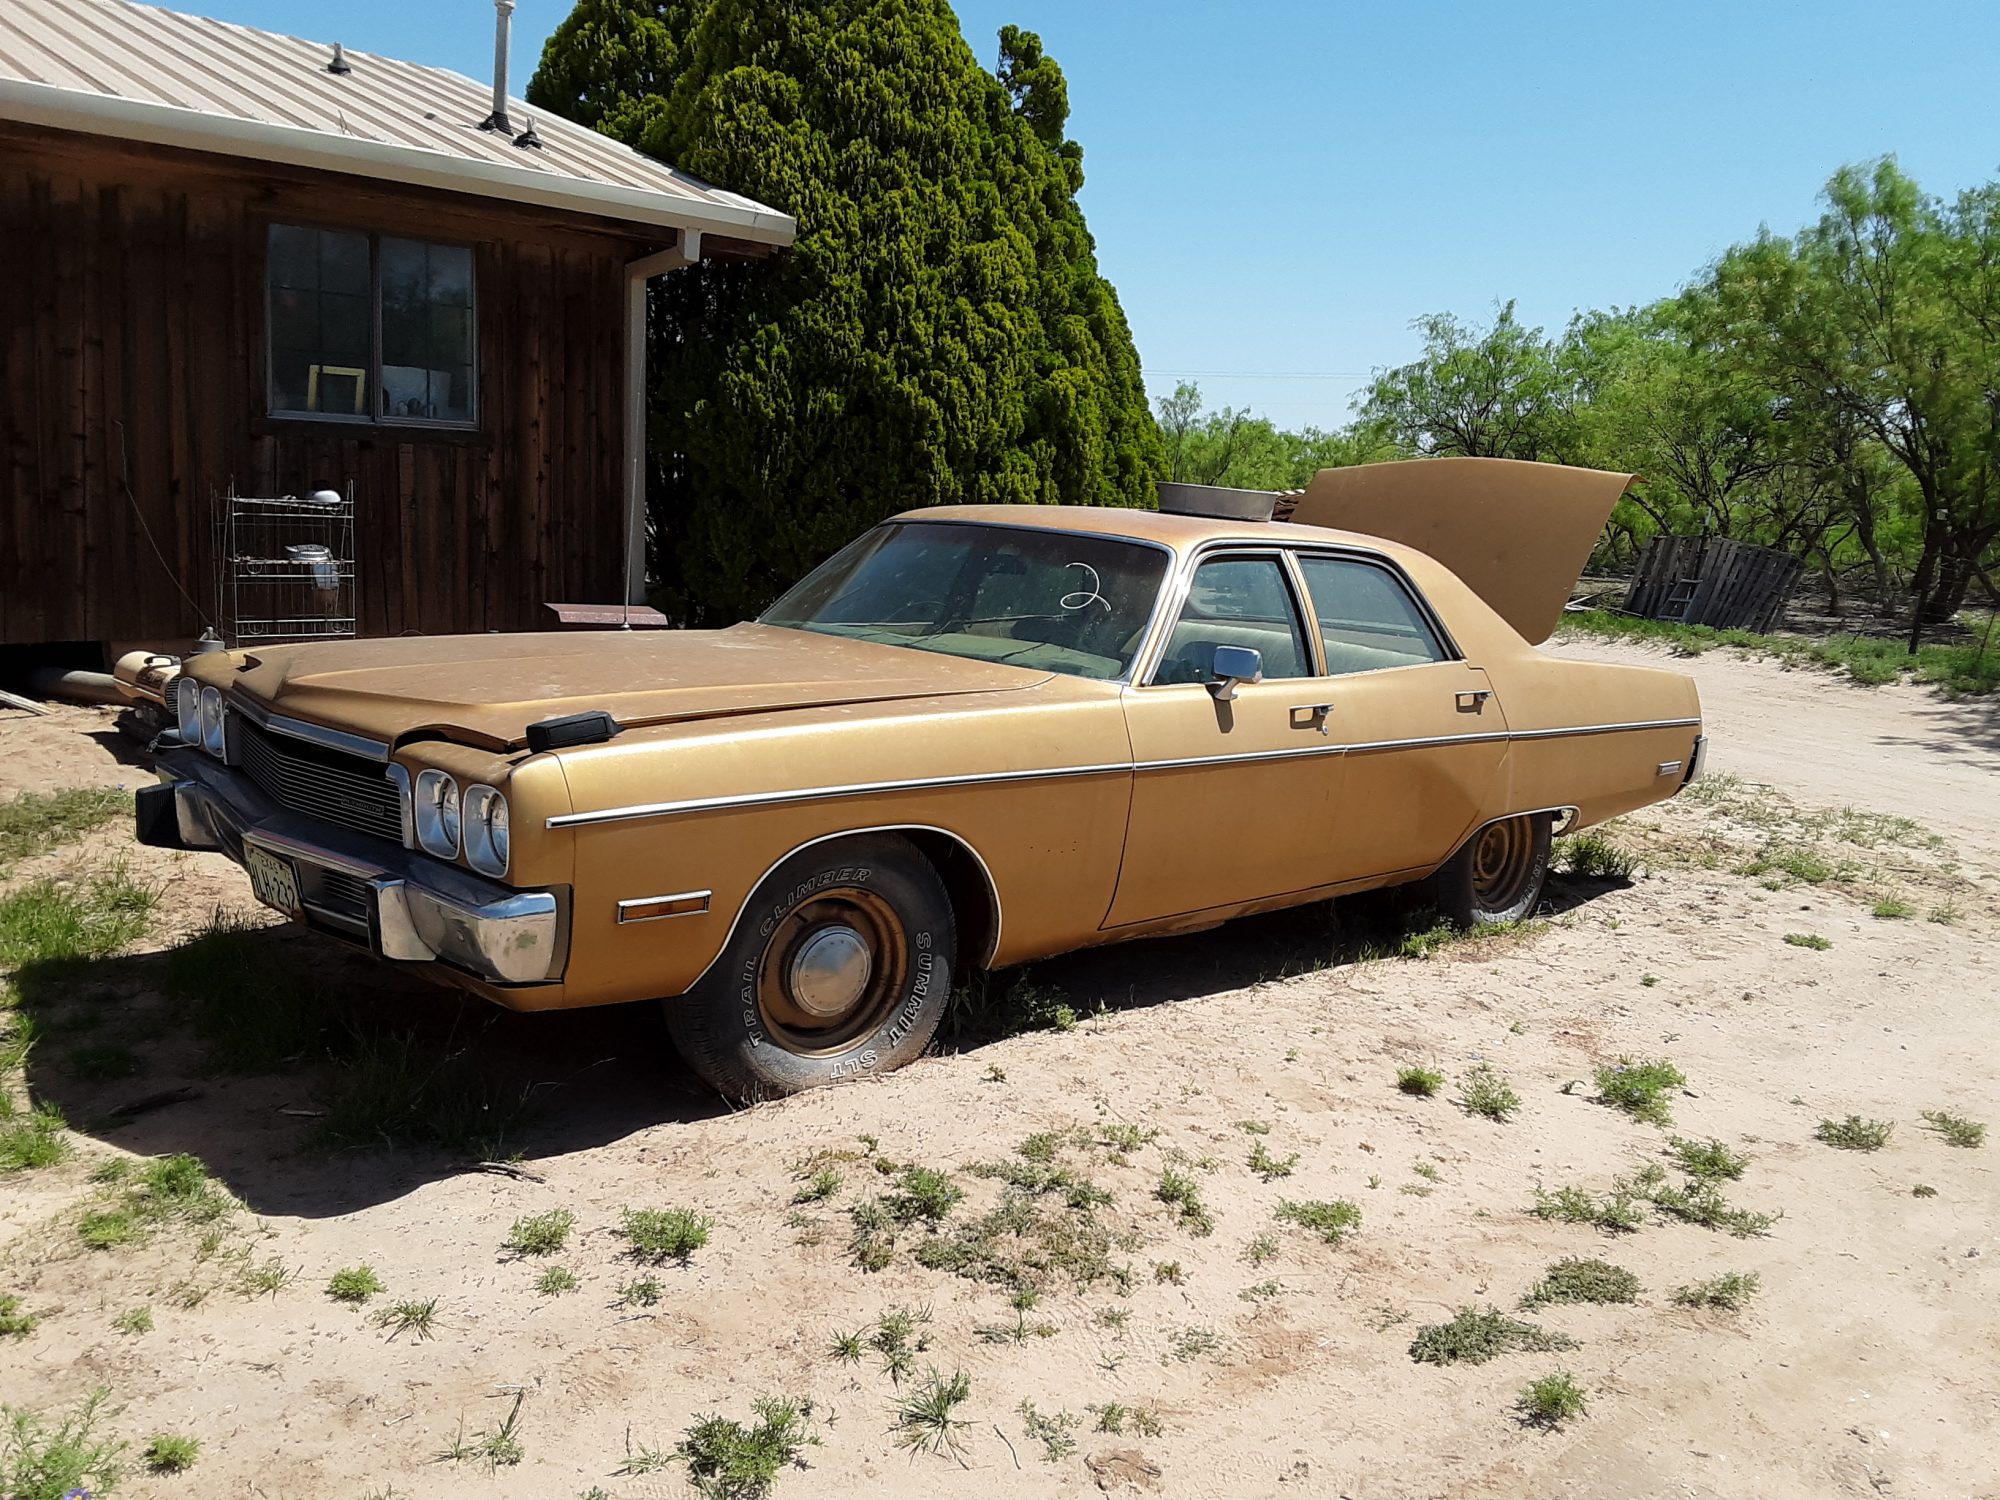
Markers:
{"x": 1235, "y": 665}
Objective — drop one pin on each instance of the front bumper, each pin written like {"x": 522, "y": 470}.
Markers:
{"x": 399, "y": 904}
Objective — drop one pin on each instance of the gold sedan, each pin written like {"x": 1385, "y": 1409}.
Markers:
{"x": 976, "y": 736}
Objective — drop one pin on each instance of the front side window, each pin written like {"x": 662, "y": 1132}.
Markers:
{"x": 370, "y": 327}
{"x": 1366, "y": 617}
{"x": 1236, "y": 601}
{"x": 1056, "y": 601}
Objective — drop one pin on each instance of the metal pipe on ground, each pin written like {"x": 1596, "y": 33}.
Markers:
{"x": 69, "y": 686}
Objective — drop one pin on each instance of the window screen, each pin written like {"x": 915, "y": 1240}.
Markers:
{"x": 1367, "y": 619}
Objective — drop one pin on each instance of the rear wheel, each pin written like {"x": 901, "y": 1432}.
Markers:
{"x": 1499, "y": 873}
{"x": 840, "y": 965}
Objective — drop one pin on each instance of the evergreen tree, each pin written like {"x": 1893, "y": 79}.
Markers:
{"x": 939, "y": 333}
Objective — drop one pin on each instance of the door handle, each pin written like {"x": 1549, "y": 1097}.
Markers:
{"x": 1316, "y": 715}
{"x": 1473, "y": 700}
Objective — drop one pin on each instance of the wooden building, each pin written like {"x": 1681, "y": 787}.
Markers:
{"x": 235, "y": 259}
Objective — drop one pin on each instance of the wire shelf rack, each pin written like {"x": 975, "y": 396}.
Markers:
{"x": 285, "y": 567}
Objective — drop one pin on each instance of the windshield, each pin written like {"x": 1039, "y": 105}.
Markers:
{"x": 1059, "y": 601}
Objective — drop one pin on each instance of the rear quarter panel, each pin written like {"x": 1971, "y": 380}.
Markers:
{"x": 1566, "y": 748}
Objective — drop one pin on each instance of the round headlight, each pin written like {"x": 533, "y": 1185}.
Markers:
{"x": 187, "y": 710}
{"x": 486, "y": 830}
{"x": 209, "y": 716}
{"x": 437, "y": 814}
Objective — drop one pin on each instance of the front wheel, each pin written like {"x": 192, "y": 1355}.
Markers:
{"x": 840, "y": 965}
{"x": 1499, "y": 873}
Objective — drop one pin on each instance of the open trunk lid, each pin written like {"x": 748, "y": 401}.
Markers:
{"x": 1517, "y": 533}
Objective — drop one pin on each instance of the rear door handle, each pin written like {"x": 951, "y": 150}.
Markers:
{"x": 1316, "y": 715}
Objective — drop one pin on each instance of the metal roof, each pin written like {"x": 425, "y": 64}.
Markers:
{"x": 137, "y": 72}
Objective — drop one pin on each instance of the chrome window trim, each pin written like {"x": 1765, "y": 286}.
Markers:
{"x": 1145, "y": 633}
{"x": 1114, "y": 768}
{"x": 1183, "y": 583}
{"x": 992, "y": 886}
{"x": 1443, "y": 637}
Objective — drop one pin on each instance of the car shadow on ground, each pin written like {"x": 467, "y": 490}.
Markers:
{"x": 389, "y": 1083}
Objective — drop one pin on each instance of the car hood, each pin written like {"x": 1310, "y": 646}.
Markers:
{"x": 485, "y": 690}
{"x": 1516, "y": 533}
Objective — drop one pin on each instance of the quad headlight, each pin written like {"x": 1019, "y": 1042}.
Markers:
{"x": 486, "y": 830}
{"x": 187, "y": 710}
{"x": 208, "y": 719}
{"x": 437, "y": 814}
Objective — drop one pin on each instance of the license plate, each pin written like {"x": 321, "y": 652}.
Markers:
{"x": 274, "y": 881}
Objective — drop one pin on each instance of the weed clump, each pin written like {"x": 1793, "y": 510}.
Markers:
{"x": 1729, "y": 1291}
{"x": 1332, "y": 1221}
{"x": 1709, "y": 1159}
{"x": 1182, "y": 1193}
{"x": 16, "y": 1322}
{"x": 1957, "y": 1130}
{"x": 1640, "y": 1088}
{"x": 172, "y": 1453}
{"x": 1551, "y": 1401}
{"x": 354, "y": 1284}
{"x": 663, "y": 1234}
{"x": 1474, "y": 1336}
{"x": 923, "y": 1193}
{"x": 541, "y": 1234}
{"x": 1485, "y": 1091}
{"x": 1053, "y": 1430}
{"x": 927, "y": 1420}
{"x": 1810, "y": 940}
{"x": 1270, "y": 1167}
{"x": 729, "y": 1461}
{"x": 1592, "y": 856}
{"x": 43, "y": 1459}
{"x": 1855, "y": 1133}
{"x": 1573, "y": 1280}
{"x": 1419, "y": 1083}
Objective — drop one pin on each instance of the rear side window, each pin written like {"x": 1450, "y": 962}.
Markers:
{"x": 1236, "y": 601}
{"x": 1366, "y": 617}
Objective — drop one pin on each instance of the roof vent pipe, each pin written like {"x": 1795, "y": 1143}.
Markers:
{"x": 503, "y": 25}
{"x": 339, "y": 66}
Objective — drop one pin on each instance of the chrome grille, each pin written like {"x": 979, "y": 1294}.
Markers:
{"x": 331, "y": 785}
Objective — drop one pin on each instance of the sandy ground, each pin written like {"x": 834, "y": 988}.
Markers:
{"x": 1865, "y": 1366}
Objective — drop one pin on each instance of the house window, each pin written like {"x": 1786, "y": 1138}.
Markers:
{"x": 370, "y": 327}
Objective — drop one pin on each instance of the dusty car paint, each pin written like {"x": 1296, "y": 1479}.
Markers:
{"x": 1066, "y": 811}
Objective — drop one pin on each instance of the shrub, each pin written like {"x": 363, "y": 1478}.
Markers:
{"x": 729, "y": 1461}
{"x": 1593, "y": 857}
{"x": 1710, "y": 1158}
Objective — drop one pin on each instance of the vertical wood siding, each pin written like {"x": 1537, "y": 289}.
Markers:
{"x": 132, "y": 355}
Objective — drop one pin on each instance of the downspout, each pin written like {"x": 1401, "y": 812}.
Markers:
{"x": 685, "y": 253}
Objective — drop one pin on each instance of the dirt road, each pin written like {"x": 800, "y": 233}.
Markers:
{"x": 1191, "y": 1337}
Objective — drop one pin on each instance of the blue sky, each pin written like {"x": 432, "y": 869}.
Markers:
{"x": 1278, "y": 188}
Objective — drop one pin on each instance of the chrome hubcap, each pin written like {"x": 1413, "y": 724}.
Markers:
{"x": 830, "y": 971}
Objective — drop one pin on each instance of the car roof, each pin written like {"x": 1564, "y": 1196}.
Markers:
{"x": 1181, "y": 533}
